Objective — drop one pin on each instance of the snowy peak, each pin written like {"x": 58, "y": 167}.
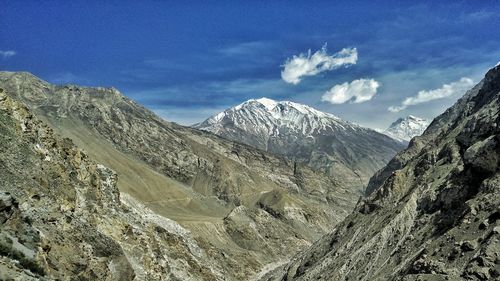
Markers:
{"x": 404, "y": 129}
{"x": 306, "y": 135}
{"x": 270, "y": 115}
{"x": 268, "y": 103}
{"x": 273, "y": 106}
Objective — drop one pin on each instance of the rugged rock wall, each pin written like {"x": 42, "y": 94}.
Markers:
{"x": 433, "y": 212}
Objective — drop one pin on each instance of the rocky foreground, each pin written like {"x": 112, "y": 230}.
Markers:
{"x": 62, "y": 216}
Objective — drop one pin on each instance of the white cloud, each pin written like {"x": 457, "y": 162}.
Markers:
{"x": 309, "y": 65}
{"x": 445, "y": 91}
{"x": 357, "y": 91}
{"x": 7, "y": 54}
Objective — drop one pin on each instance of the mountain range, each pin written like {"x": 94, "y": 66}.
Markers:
{"x": 204, "y": 207}
{"x": 94, "y": 186}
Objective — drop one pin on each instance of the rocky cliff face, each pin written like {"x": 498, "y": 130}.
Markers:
{"x": 321, "y": 140}
{"x": 244, "y": 209}
{"x": 433, "y": 212}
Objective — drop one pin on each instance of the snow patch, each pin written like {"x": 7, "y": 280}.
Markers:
{"x": 268, "y": 103}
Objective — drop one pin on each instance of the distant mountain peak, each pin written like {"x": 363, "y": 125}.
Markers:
{"x": 405, "y": 128}
{"x": 302, "y": 133}
{"x": 256, "y": 114}
{"x": 280, "y": 109}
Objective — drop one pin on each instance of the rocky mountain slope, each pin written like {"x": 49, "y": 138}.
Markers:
{"x": 434, "y": 211}
{"x": 63, "y": 218}
{"x": 321, "y": 140}
{"x": 244, "y": 209}
{"x": 404, "y": 129}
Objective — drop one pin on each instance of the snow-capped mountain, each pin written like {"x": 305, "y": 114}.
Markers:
{"x": 404, "y": 129}
{"x": 300, "y": 132}
{"x": 265, "y": 118}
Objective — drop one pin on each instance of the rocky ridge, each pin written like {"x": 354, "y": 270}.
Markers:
{"x": 433, "y": 213}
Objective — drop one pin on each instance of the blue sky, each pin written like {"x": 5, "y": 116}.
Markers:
{"x": 190, "y": 59}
